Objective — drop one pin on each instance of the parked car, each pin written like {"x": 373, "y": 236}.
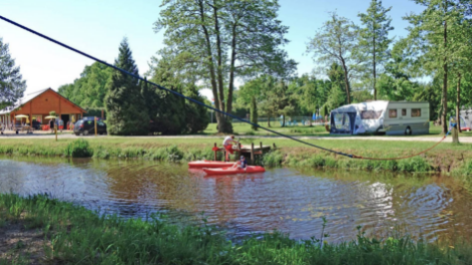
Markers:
{"x": 36, "y": 125}
{"x": 87, "y": 126}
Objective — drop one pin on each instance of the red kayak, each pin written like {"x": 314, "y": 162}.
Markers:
{"x": 233, "y": 170}
{"x": 209, "y": 164}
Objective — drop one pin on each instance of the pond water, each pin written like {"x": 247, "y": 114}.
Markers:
{"x": 287, "y": 200}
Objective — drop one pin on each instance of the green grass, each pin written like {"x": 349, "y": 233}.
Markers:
{"x": 74, "y": 235}
{"x": 300, "y": 130}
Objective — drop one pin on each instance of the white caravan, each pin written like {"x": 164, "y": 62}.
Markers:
{"x": 389, "y": 117}
{"x": 466, "y": 119}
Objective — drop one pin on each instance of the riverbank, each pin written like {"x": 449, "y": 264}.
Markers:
{"x": 444, "y": 158}
{"x": 39, "y": 229}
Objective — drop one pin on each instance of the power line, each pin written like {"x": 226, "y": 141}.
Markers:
{"x": 194, "y": 100}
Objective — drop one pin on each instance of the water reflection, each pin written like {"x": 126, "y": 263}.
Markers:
{"x": 282, "y": 199}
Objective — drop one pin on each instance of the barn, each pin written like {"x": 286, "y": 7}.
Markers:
{"x": 39, "y": 104}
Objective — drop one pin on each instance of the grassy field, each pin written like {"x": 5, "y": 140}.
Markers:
{"x": 38, "y": 230}
{"x": 245, "y": 129}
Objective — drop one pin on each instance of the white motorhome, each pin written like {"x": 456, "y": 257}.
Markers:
{"x": 466, "y": 119}
{"x": 389, "y": 117}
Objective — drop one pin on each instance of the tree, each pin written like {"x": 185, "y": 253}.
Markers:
{"x": 196, "y": 116}
{"x": 254, "y": 112}
{"x": 304, "y": 89}
{"x": 462, "y": 65}
{"x": 278, "y": 100}
{"x": 90, "y": 89}
{"x": 334, "y": 43}
{"x": 337, "y": 96}
{"x": 170, "y": 113}
{"x": 126, "y": 108}
{"x": 431, "y": 29}
{"x": 373, "y": 47}
{"x": 12, "y": 85}
{"x": 226, "y": 39}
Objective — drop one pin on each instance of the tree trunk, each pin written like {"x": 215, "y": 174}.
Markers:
{"x": 231, "y": 70}
{"x": 458, "y": 102}
{"x": 444, "y": 91}
{"x": 268, "y": 121}
{"x": 225, "y": 125}
{"x": 346, "y": 81}
{"x": 211, "y": 66}
{"x": 375, "y": 72}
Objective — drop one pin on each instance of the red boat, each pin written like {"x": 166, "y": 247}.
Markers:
{"x": 233, "y": 170}
{"x": 209, "y": 164}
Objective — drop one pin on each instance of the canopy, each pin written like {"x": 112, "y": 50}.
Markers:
{"x": 21, "y": 116}
{"x": 50, "y": 117}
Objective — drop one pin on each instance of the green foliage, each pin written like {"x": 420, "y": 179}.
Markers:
{"x": 373, "y": 46}
{"x": 12, "y": 85}
{"x": 196, "y": 116}
{"x": 254, "y": 113}
{"x": 78, "y": 148}
{"x": 90, "y": 89}
{"x": 166, "y": 110}
{"x": 272, "y": 159}
{"x": 218, "y": 47}
{"x": 126, "y": 108}
{"x": 96, "y": 112}
{"x": 334, "y": 43}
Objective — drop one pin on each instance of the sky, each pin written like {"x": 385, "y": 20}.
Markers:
{"x": 98, "y": 26}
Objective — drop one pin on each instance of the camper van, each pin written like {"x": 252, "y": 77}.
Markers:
{"x": 379, "y": 117}
{"x": 466, "y": 119}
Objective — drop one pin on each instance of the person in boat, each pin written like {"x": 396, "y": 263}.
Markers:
{"x": 228, "y": 145}
{"x": 243, "y": 163}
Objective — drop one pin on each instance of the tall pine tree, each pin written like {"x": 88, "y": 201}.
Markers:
{"x": 373, "y": 39}
{"x": 12, "y": 85}
{"x": 126, "y": 109}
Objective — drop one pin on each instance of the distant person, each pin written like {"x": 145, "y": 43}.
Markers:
{"x": 51, "y": 125}
{"x": 228, "y": 145}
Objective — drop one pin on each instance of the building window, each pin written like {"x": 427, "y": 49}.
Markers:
{"x": 392, "y": 113}
{"x": 415, "y": 112}
{"x": 403, "y": 112}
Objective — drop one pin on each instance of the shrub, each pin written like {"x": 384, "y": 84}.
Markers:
{"x": 272, "y": 159}
{"x": 415, "y": 164}
{"x": 78, "y": 148}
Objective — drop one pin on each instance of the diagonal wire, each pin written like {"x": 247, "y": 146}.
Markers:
{"x": 191, "y": 99}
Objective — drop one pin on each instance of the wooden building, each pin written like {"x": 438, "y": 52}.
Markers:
{"x": 38, "y": 105}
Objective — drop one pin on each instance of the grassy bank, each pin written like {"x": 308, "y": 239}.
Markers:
{"x": 56, "y": 232}
{"x": 445, "y": 158}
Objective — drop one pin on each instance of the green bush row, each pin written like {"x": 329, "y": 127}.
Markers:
{"x": 415, "y": 164}
{"x": 74, "y": 235}
{"x": 81, "y": 148}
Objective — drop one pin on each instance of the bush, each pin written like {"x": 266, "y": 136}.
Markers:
{"x": 78, "y": 148}
{"x": 415, "y": 164}
{"x": 171, "y": 154}
{"x": 272, "y": 159}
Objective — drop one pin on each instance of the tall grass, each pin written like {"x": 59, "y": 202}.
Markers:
{"x": 415, "y": 164}
{"x": 75, "y": 235}
{"x": 78, "y": 148}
